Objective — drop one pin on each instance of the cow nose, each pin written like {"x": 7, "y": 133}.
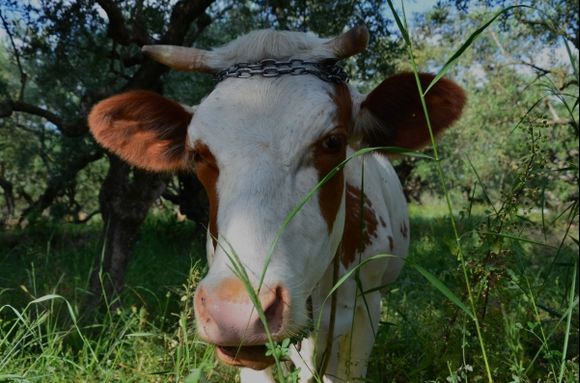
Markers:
{"x": 226, "y": 315}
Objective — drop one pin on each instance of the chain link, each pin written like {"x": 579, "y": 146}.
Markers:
{"x": 273, "y": 68}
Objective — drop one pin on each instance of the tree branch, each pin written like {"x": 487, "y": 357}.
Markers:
{"x": 20, "y": 106}
{"x": 183, "y": 14}
{"x": 69, "y": 129}
{"x": 541, "y": 71}
{"x": 87, "y": 218}
{"x": 60, "y": 181}
{"x": 118, "y": 30}
{"x": 515, "y": 61}
{"x": 202, "y": 22}
{"x": 8, "y": 196}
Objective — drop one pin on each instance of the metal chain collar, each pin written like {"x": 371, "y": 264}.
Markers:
{"x": 274, "y": 68}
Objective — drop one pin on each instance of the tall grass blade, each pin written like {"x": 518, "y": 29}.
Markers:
{"x": 568, "y": 322}
{"x": 443, "y": 289}
{"x": 467, "y": 44}
{"x": 346, "y": 276}
{"x": 400, "y": 24}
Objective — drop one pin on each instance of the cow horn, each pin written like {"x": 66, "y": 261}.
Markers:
{"x": 180, "y": 58}
{"x": 350, "y": 43}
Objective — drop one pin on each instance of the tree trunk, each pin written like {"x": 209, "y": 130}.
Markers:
{"x": 8, "y": 189}
{"x": 190, "y": 197}
{"x": 127, "y": 194}
{"x": 411, "y": 185}
{"x": 125, "y": 198}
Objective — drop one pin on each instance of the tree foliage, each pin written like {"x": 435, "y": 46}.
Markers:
{"x": 521, "y": 94}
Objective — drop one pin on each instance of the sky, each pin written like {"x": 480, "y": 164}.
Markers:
{"x": 416, "y": 5}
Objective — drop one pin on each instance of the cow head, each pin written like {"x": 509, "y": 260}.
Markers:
{"x": 259, "y": 145}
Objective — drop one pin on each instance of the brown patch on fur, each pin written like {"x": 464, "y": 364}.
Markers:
{"x": 356, "y": 238}
{"x": 404, "y": 230}
{"x": 391, "y": 245}
{"x": 231, "y": 290}
{"x": 207, "y": 171}
{"x": 396, "y": 107}
{"x": 326, "y": 159}
{"x": 143, "y": 128}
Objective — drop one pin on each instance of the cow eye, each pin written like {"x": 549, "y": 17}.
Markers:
{"x": 197, "y": 156}
{"x": 333, "y": 142}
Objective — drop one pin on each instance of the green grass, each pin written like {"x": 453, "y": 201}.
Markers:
{"x": 426, "y": 330}
{"x": 151, "y": 338}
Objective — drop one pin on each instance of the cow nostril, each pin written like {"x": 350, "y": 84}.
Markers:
{"x": 274, "y": 313}
{"x": 228, "y": 317}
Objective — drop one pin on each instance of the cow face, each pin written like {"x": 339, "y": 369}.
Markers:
{"x": 259, "y": 146}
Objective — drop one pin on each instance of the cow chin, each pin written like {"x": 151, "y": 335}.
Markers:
{"x": 253, "y": 357}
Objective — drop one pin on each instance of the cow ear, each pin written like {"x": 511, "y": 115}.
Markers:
{"x": 145, "y": 129}
{"x": 392, "y": 114}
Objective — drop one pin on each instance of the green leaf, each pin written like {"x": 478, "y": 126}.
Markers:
{"x": 194, "y": 377}
{"x": 13, "y": 377}
{"x": 444, "y": 289}
{"x": 47, "y": 297}
{"x": 141, "y": 335}
{"x": 509, "y": 236}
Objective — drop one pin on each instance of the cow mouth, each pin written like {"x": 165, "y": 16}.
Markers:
{"x": 253, "y": 357}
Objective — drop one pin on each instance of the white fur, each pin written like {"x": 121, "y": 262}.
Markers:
{"x": 261, "y": 132}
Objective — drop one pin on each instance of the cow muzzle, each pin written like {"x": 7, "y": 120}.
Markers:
{"x": 227, "y": 317}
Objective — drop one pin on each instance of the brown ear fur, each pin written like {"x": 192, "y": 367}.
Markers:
{"x": 392, "y": 115}
{"x": 144, "y": 128}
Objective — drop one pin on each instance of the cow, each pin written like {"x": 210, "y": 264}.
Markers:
{"x": 281, "y": 119}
